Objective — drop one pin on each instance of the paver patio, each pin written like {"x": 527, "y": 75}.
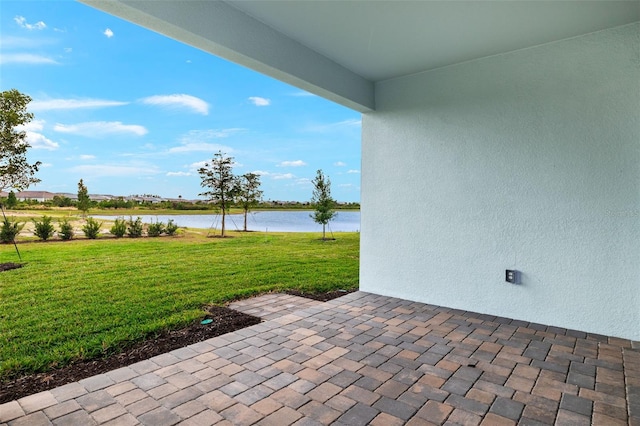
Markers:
{"x": 362, "y": 359}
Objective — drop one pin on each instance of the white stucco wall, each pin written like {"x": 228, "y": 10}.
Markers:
{"x": 528, "y": 160}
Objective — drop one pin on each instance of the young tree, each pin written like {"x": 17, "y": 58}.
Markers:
{"x": 248, "y": 193}
{"x": 322, "y": 202}
{"x": 217, "y": 175}
{"x": 83, "y": 198}
{"x": 12, "y": 200}
{"x": 15, "y": 171}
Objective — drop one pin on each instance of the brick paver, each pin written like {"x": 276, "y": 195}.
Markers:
{"x": 361, "y": 359}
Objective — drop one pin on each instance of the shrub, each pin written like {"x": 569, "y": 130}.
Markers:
{"x": 66, "y": 229}
{"x": 119, "y": 228}
{"x": 171, "y": 227}
{"x": 9, "y": 230}
{"x": 91, "y": 228}
{"x": 134, "y": 227}
{"x": 43, "y": 228}
{"x": 155, "y": 229}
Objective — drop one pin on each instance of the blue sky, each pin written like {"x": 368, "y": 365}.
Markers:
{"x": 133, "y": 112}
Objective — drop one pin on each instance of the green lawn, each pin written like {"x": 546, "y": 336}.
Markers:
{"x": 86, "y": 298}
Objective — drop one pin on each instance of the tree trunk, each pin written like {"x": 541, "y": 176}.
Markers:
{"x": 323, "y": 233}
{"x": 245, "y": 220}
{"x": 223, "y": 213}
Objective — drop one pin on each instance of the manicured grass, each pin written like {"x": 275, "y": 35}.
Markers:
{"x": 87, "y": 298}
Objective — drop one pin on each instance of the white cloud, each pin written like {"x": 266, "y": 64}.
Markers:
{"x": 353, "y": 171}
{"x": 179, "y": 101}
{"x": 261, "y": 173}
{"x": 33, "y": 126}
{"x": 68, "y": 49}
{"x": 351, "y": 123}
{"x": 22, "y": 21}
{"x": 258, "y": 101}
{"x": 101, "y": 128}
{"x": 303, "y": 94}
{"x": 115, "y": 170}
{"x": 346, "y": 185}
{"x": 108, "y": 33}
{"x": 36, "y": 139}
{"x": 280, "y": 176}
{"x": 209, "y": 134}
{"x": 339, "y": 164}
{"x": 25, "y": 58}
{"x": 43, "y": 165}
{"x": 195, "y": 166}
{"x": 201, "y": 141}
{"x": 87, "y": 157}
{"x": 303, "y": 181}
{"x": 178, "y": 174}
{"x": 297, "y": 163}
{"x": 40, "y": 141}
{"x": 57, "y": 104}
{"x": 200, "y": 147}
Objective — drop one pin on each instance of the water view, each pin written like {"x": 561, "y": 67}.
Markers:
{"x": 265, "y": 221}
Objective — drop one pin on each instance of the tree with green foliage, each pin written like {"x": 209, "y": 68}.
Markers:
{"x": 84, "y": 202}
{"x": 9, "y": 230}
{"x": 119, "y": 227}
{"x": 15, "y": 171}
{"x": 323, "y": 204}
{"x": 43, "y": 228}
{"x": 248, "y": 193}
{"x": 135, "y": 227}
{"x": 66, "y": 229}
{"x": 217, "y": 175}
{"x": 155, "y": 229}
{"x": 61, "y": 201}
{"x": 91, "y": 229}
{"x": 171, "y": 228}
{"x": 12, "y": 200}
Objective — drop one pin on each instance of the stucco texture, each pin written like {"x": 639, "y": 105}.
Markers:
{"x": 528, "y": 160}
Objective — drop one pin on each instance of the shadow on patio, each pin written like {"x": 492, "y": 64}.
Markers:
{"x": 361, "y": 359}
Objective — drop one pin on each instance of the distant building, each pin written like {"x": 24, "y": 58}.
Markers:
{"x": 73, "y": 197}
{"x": 39, "y": 196}
{"x": 100, "y": 197}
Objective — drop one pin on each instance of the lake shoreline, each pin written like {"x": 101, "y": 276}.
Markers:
{"x": 257, "y": 221}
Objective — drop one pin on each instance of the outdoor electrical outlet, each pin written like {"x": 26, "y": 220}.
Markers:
{"x": 512, "y": 276}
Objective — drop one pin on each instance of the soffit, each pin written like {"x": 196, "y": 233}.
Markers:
{"x": 380, "y": 40}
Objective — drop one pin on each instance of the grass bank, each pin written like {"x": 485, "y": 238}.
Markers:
{"x": 88, "y": 298}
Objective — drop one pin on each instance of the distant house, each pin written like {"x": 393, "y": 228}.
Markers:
{"x": 176, "y": 200}
{"x": 39, "y": 196}
{"x": 100, "y": 197}
{"x": 144, "y": 199}
{"x": 73, "y": 197}
{"x": 3, "y": 194}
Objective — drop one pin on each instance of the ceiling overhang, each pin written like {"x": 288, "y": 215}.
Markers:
{"x": 339, "y": 49}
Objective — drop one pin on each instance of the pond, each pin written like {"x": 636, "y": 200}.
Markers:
{"x": 265, "y": 221}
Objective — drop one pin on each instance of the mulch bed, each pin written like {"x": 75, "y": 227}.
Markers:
{"x": 9, "y": 266}
{"x": 322, "y": 297}
{"x": 225, "y": 320}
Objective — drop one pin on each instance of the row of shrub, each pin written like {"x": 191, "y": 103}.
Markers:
{"x": 44, "y": 229}
{"x": 135, "y": 228}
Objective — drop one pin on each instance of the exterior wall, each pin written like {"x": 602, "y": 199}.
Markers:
{"x": 529, "y": 161}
